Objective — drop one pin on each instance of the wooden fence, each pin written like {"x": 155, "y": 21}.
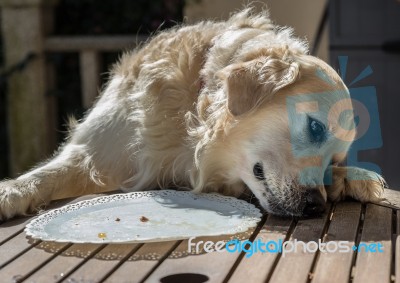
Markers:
{"x": 27, "y": 25}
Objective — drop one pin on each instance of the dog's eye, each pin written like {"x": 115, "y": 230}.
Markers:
{"x": 258, "y": 171}
{"x": 317, "y": 130}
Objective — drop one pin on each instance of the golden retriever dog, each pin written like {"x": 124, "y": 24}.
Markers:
{"x": 206, "y": 108}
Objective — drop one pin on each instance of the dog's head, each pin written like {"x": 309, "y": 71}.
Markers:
{"x": 291, "y": 116}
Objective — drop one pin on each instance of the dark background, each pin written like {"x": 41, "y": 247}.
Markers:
{"x": 368, "y": 32}
{"x": 84, "y": 17}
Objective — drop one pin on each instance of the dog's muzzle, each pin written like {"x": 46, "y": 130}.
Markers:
{"x": 314, "y": 203}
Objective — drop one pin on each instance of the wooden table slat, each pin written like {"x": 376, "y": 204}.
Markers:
{"x": 257, "y": 267}
{"x": 66, "y": 263}
{"x": 30, "y": 261}
{"x": 13, "y": 248}
{"x": 300, "y": 263}
{"x": 35, "y": 261}
{"x": 377, "y": 228}
{"x": 393, "y": 199}
{"x": 397, "y": 249}
{"x": 97, "y": 267}
{"x": 343, "y": 227}
{"x": 199, "y": 265}
{"x": 142, "y": 262}
{"x": 12, "y": 228}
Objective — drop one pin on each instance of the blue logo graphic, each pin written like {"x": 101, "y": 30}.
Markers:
{"x": 369, "y": 248}
{"x": 366, "y": 106}
{"x": 283, "y": 247}
{"x": 359, "y": 125}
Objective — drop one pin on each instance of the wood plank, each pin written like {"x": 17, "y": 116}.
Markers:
{"x": 12, "y": 228}
{"x": 27, "y": 263}
{"x": 335, "y": 267}
{"x": 90, "y": 76}
{"x": 14, "y": 247}
{"x": 66, "y": 263}
{"x": 377, "y": 228}
{"x": 181, "y": 267}
{"x": 98, "y": 267}
{"x": 300, "y": 262}
{"x": 392, "y": 199}
{"x": 275, "y": 229}
{"x": 397, "y": 249}
{"x": 99, "y": 43}
{"x": 142, "y": 262}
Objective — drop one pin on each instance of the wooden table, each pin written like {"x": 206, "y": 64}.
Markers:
{"x": 26, "y": 260}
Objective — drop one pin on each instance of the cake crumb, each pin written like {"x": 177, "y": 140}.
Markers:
{"x": 102, "y": 235}
{"x": 144, "y": 219}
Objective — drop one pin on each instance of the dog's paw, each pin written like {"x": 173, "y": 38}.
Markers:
{"x": 18, "y": 197}
{"x": 364, "y": 185}
{"x": 360, "y": 184}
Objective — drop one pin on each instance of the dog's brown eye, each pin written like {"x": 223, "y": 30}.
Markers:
{"x": 317, "y": 130}
{"x": 258, "y": 171}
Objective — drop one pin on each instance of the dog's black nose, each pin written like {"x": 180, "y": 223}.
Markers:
{"x": 315, "y": 203}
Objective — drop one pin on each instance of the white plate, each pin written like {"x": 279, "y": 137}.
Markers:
{"x": 145, "y": 217}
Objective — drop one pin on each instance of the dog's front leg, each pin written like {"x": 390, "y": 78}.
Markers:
{"x": 360, "y": 184}
{"x": 66, "y": 175}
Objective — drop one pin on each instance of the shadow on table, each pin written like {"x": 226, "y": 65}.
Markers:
{"x": 185, "y": 277}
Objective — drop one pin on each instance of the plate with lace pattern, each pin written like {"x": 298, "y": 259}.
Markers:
{"x": 148, "y": 216}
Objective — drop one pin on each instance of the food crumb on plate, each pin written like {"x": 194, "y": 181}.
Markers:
{"x": 117, "y": 219}
{"x": 144, "y": 219}
{"x": 102, "y": 235}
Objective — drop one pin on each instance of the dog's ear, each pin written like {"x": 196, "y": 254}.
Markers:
{"x": 248, "y": 84}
